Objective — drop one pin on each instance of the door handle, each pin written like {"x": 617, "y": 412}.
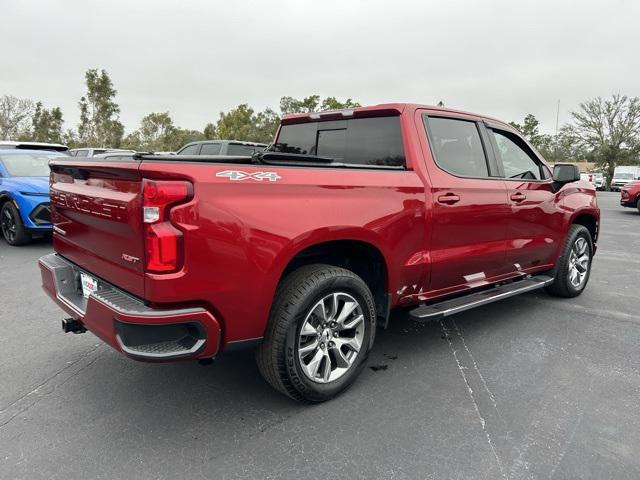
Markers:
{"x": 518, "y": 197}
{"x": 449, "y": 199}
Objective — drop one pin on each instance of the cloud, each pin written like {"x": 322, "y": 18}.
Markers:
{"x": 197, "y": 58}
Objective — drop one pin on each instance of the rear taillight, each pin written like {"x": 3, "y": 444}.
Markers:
{"x": 163, "y": 241}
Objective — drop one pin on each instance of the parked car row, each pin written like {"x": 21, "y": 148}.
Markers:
{"x": 28, "y": 213}
{"x": 598, "y": 180}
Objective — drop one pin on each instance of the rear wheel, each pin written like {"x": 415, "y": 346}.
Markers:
{"x": 638, "y": 204}
{"x": 574, "y": 265}
{"x": 12, "y": 227}
{"x": 320, "y": 331}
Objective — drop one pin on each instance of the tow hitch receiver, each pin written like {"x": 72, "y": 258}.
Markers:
{"x": 72, "y": 325}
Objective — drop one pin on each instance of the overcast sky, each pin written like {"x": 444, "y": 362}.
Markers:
{"x": 197, "y": 58}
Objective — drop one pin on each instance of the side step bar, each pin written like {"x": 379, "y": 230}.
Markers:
{"x": 436, "y": 311}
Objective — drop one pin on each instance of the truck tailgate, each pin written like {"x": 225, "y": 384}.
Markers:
{"x": 97, "y": 216}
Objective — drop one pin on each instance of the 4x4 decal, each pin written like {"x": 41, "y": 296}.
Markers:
{"x": 257, "y": 176}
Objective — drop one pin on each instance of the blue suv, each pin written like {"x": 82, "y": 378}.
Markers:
{"x": 24, "y": 194}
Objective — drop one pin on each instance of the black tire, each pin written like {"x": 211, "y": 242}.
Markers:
{"x": 638, "y": 204}
{"x": 562, "y": 285}
{"x": 277, "y": 356}
{"x": 12, "y": 227}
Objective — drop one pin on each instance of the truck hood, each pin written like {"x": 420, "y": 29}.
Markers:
{"x": 26, "y": 184}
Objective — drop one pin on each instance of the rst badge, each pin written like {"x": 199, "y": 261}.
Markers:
{"x": 257, "y": 176}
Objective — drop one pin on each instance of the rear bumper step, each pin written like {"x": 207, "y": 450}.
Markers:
{"x": 126, "y": 323}
{"x": 436, "y": 311}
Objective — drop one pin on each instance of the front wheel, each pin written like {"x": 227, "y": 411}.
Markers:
{"x": 319, "y": 334}
{"x": 638, "y": 204}
{"x": 12, "y": 227}
{"x": 574, "y": 265}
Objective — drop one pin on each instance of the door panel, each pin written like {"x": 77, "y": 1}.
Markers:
{"x": 534, "y": 226}
{"x": 535, "y": 223}
{"x": 468, "y": 240}
{"x": 470, "y": 209}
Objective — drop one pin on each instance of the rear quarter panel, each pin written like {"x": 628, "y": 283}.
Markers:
{"x": 240, "y": 234}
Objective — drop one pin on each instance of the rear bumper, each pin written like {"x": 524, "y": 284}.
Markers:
{"x": 126, "y": 323}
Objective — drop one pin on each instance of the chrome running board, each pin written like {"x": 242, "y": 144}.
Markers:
{"x": 436, "y": 311}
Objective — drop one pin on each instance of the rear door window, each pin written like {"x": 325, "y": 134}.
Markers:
{"x": 239, "y": 149}
{"x": 210, "y": 149}
{"x": 358, "y": 141}
{"x": 457, "y": 147}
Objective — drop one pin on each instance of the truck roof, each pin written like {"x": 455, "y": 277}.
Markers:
{"x": 226, "y": 141}
{"x": 371, "y": 111}
{"x": 33, "y": 145}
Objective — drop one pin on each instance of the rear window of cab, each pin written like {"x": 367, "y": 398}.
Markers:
{"x": 358, "y": 141}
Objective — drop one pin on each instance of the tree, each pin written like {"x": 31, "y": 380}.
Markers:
{"x": 242, "y": 123}
{"x": 530, "y": 130}
{"x": 237, "y": 124}
{"x": 608, "y": 129}
{"x": 70, "y": 138}
{"x": 312, "y": 103}
{"x": 157, "y": 133}
{"x": 180, "y": 137}
{"x": 210, "y": 132}
{"x": 294, "y": 105}
{"x": 266, "y": 125}
{"x": 331, "y": 103}
{"x": 15, "y": 114}
{"x": 156, "y": 130}
{"x": 46, "y": 125}
{"x": 99, "y": 113}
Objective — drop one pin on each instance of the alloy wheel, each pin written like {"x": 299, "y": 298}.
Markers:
{"x": 8, "y": 225}
{"x": 331, "y": 337}
{"x": 579, "y": 260}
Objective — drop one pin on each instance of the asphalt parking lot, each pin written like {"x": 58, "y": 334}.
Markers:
{"x": 532, "y": 387}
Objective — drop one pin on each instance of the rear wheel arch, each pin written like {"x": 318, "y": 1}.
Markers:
{"x": 361, "y": 257}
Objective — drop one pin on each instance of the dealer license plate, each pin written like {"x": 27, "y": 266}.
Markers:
{"x": 89, "y": 284}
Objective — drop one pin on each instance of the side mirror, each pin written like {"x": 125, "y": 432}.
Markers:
{"x": 565, "y": 173}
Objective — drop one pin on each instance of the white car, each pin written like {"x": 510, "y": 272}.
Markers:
{"x": 92, "y": 152}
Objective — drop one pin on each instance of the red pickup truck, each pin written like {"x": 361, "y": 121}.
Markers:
{"x": 302, "y": 250}
{"x": 630, "y": 195}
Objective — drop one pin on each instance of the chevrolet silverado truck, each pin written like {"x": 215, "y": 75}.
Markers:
{"x": 301, "y": 251}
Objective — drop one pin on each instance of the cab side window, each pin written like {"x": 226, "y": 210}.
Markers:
{"x": 457, "y": 147}
{"x": 190, "y": 150}
{"x": 517, "y": 160}
{"x": 209, "y": 149}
